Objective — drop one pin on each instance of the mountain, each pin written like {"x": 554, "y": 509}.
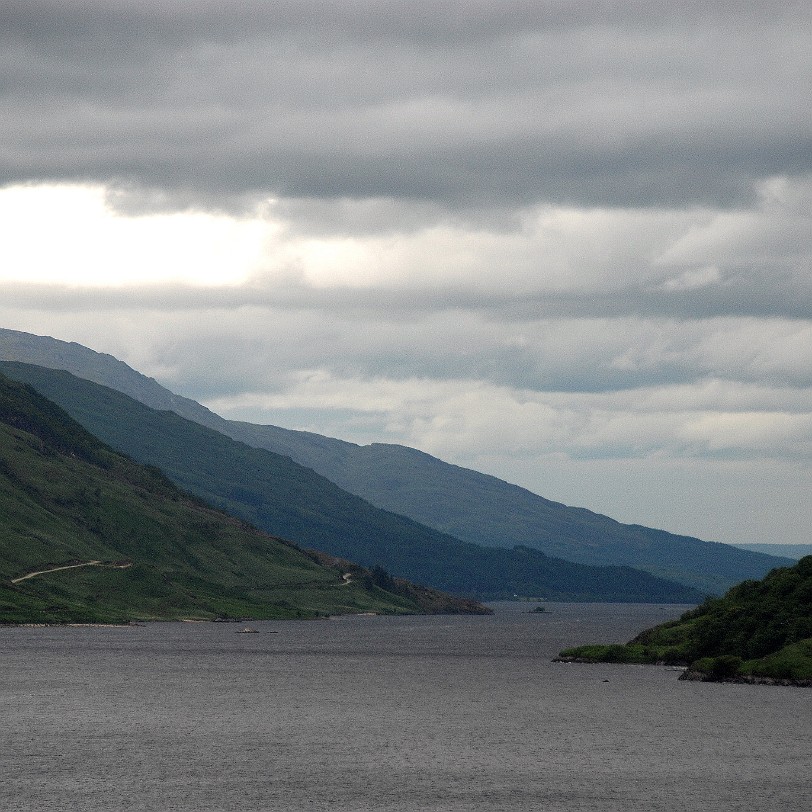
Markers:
{"x": 87, "y": 535}
{"x": 286, "y": 499}
{"x": 794, "y": 552}
{"x": 474, "y": 506}
{"x": 759, "y": 631}
{"x": 466, "y": 504}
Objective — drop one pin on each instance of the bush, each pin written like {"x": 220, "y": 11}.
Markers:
{"x": 719, "y": 668}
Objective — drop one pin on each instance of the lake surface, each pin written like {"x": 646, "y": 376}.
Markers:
{"x": 377, "y": 713}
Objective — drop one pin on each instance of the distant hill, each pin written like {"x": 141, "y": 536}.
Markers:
{"x": 286, "y": 499}
{"x": 466, "y": 504}
{"x": 87, "y": 535}
{"x": 791, "y": 551}
{"x": 471, "y": 505}
{"x": 760, "y": 631}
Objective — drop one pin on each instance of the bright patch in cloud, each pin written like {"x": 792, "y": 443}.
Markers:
{"x": 68, "y": 234}
{"x": 694, "y": 279}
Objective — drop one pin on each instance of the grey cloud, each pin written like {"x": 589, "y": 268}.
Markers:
{"x": 501, "y": 103}
{"x": 212, "y": 342}
{"x": 376, "y": 216}
{"x": 572, "y": 368}
{"x": 386, "y": 119}
{"x": 747, "y": 295}
{"x": 431, "y": 21}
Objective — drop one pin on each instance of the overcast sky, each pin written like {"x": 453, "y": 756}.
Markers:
{"x": 566, "y": 243}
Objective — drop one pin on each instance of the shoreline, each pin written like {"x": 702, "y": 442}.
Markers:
{"x": 689, "y": 675}
{"x": 746, "y": 679}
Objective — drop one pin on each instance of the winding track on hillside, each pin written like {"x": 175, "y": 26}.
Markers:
{"x": 69, "y": 567}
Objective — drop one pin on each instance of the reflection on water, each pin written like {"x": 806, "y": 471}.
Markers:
{"x": 421, "y": 713}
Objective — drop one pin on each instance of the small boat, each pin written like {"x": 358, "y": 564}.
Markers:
{"x": 247, "y": 630}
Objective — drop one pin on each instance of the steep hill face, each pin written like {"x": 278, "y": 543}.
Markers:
{"x": 468, "y": 505}
{"x": 87, "y": 535}
{"x": 94, "y": 366}
{"x": 463, "y": 503}
{"x": 278, "y": 495}
{"x": 759, "y": 631}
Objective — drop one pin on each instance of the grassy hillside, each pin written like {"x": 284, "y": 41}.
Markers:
{"x": 279, "y": 496}
{"x": 87, "y": 535}
{"x": 757, "y": 630}
{"x": 468, "y": 505}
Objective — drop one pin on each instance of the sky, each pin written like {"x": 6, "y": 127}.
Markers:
{"x": 565, "y": 243}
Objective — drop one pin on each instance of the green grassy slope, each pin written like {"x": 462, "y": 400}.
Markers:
{"x": 288, "y": 500}
{"x": 106, "y": 540}
{"x": 758, "y": 629}
{"x": 463, "y": 503}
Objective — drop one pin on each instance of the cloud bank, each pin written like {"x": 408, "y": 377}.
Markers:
{"x": 485, "y": 102}
{"x": 566, "y": 243}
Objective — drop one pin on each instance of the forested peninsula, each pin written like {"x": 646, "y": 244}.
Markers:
{"x": 759, "y": 631}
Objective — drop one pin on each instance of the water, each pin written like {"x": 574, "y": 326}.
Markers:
{"x": 422, "y": 713}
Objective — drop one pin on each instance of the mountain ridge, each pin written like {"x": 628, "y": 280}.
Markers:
{"x": 88, "y": 535}
{"x": 791, "y": 551}
{"x": 466, "y": 504}
{"x": 285, "y": 499}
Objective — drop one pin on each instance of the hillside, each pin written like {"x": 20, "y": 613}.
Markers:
{"x": 468, "y": 505}
{"x": 758, "y": 631}
{"x": 471, "y": 505}
{"x": 283, "y": 498}
{"x": 795, "y": 552}
{"x": 89, "y": 536}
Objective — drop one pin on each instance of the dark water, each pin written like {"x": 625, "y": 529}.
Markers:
{"x": 449, "y": 713}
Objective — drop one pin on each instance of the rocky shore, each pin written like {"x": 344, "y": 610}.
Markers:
{"x": 745, "y": 679}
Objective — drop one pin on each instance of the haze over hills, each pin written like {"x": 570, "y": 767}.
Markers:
{"x": 466, "y": 504}
{"x": 87, "y": 535}
{"x": 286, "y": 499}
{"x": 793, "y": 551}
